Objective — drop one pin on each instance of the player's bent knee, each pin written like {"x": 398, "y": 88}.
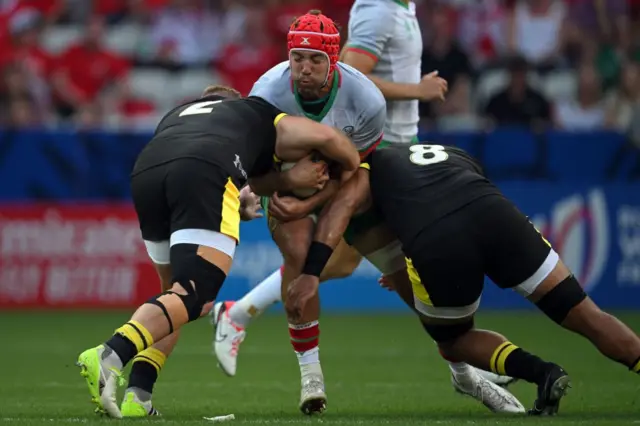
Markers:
{"x": 560, "y": 300}
{"x": 446, "y": 333}
{"x": 200, "y": 279}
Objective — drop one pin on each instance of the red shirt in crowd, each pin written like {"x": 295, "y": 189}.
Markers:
{"x": 91, "y": 70}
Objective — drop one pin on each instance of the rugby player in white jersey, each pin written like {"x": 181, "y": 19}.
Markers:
{"x": 342, "y": 97}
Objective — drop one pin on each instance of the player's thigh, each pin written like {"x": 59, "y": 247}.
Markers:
{"x": 518, "y": 256}
{"x": 379, "y": 246}
{"x": 205, "y": 222}
{"x": 445, "y": 267}
{"x": 154, "y": 215}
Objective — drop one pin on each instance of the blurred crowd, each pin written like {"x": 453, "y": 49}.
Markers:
{"x": 567, "y": 64}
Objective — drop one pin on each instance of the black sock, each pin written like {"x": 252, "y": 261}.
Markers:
{"x": 523, "y": 365}
{"x": 123, "y": 347}
{"x": 510, "y": 360}
{"x": 143, "y": 376}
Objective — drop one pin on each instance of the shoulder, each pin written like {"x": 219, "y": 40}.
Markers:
{"x": 358, "y": 86}
{"x": 273, "y": 80}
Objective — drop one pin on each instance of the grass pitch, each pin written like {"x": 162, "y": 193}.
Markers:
{"x": 379, "y": 370}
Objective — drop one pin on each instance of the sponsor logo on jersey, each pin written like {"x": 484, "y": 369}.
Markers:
{"x": 577, "y": 227}
{"x": 348, "y": 130}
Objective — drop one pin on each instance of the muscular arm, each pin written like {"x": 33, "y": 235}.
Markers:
{"x": 273, "y": 181}
{"x": 298, "y": 136}
{"x": 365, "y": 63}
{"x": 321, "y": 197}
{"x": 337, "y": 213}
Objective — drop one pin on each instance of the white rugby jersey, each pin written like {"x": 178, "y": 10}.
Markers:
{"x": 388, "y": 30}
{"x": 355, "y": 104}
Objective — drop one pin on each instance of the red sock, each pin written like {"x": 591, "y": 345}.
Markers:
{"x": 304, "y": 337}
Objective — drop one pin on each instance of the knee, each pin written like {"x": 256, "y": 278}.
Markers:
{"x": 196, "y": 280}
{"x": 446, "y": 335}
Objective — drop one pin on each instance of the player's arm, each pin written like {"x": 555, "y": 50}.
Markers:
{"x": 365, "y": 62}
{"x": 337, "y": 213}
{"x": 273, "y": 181}
{"x": 331, "y": 225}
{"x": 306, "y": 173}
{"x": 299, "y": 136}
{"x": 367, "y": 38}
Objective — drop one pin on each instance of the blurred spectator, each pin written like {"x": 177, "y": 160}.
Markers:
{"x": 623, "y": 103}
{"x": 186, "y": 34}
{"x": 27, "y": 66}
{"x": 518, "y": 104}
{"x": 586, "y": 111}
{"x": 246, "y": 59}
{"x": 443, "y": 54}
{"x": 112, "y": 10}
{"x": 22, "y": 114}
{"x": 604, "y": 20}
{"x": 535, "y": 31}
{"x": 87, "y": 73}
{"x": 281, "y": 14}
{"x": 50, "y": 10}
{"x": 481, "y": 30}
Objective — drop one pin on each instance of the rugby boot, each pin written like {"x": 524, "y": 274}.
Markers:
{"x": 499, "y": 380}
{"x": 492, "y": 396}
{"x": 132, "y": 406}
{"x": 102, "y": 380}
{"x": 551, "y": 391}
{"x": 227, "y": 338}
{"x": 313, "y": 399}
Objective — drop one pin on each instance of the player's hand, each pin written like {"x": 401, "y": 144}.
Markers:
{"x": 299, "y": 292}
{"x": 385, "y": 283}
{"x": 432, "y": 87}
{"x": 287, "y": 209}
{"x": 307, "y": 174}
{"x": 249, "y": 205}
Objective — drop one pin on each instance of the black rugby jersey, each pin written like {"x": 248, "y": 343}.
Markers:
{"x": 414, "y": 185}
{"x": 237, "y": 134}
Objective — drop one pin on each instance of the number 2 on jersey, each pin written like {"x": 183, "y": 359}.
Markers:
{"x": 423, "y": 155}
{"x": 199, "y": 108}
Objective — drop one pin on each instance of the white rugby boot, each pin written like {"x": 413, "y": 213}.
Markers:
{"x": 227, "y": 338}
{"x": 102, "y": 379}
{"x": 495, "y": 398}
{"x": 499, "y": 380}
{"x": 313, "y": 399}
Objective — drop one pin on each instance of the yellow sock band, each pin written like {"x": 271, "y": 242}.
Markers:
{"x": 499, "y": 357}
{"x": 152, "y": 356}
{"x": 137, "y": 334}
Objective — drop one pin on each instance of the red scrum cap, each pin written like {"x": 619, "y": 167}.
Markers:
{"x": 318, "y": 33}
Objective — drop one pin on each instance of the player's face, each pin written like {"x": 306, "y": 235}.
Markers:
{"x": 309, "y": 70}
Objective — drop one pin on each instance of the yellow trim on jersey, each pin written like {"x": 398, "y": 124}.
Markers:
{"x": 230, "y": 223}
{"x": 278, "y": 118}
{"x": 365, "y": 166}
{"x": 416, "y": 284}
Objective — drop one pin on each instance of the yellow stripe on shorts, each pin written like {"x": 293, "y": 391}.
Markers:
{"x": 416, "y": 284}
{"x": 230, "y": 224}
